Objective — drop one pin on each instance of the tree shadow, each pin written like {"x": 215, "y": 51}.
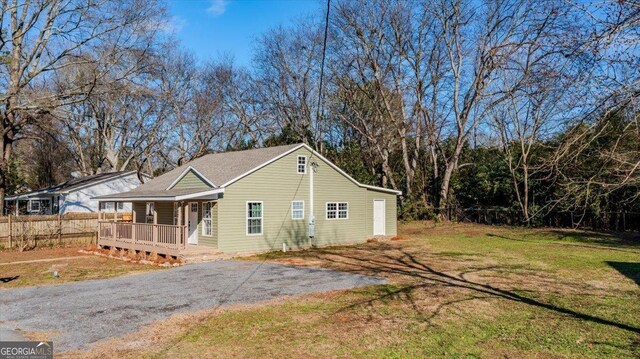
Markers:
{"x": 608, "y": 242}
{"x": 9, "y": 279}
{"x": 406, "y": 264}
{"x": 630, "y": 270}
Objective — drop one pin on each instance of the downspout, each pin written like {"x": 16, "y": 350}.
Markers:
{"x": 312, "y": 218}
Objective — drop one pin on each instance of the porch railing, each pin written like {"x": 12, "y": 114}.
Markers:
{"x": 159, "y": 238}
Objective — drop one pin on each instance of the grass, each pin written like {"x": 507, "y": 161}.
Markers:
{"x": 453, "y": 290}
{"x": 71, "y": 266}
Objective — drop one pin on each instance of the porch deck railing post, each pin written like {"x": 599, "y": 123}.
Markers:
{"x": 155, "y": 235}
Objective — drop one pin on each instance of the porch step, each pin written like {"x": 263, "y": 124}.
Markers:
{"x": 199, "y": 254}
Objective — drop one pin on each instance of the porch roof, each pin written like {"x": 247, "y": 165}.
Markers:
{"x": 168, "y": 195}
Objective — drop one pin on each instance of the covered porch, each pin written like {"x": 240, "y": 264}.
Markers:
{"x": 172, "y": 226}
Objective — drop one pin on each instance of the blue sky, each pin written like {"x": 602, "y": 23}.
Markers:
{"x": 228, "y": 27}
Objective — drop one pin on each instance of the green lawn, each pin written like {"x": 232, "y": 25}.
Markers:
{"x": 454, "y": 290}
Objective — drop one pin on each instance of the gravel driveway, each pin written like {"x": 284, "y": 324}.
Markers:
{"x": 85, "y": 312}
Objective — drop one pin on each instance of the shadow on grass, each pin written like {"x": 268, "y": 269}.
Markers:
{"x": 629, "y": 269}
{"x": 9, "y": 279}
{"x": 584, "y": 240}
{"x": 406, "y": 264}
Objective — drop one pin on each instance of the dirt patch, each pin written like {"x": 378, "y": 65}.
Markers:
{"x": 12, "y": 255}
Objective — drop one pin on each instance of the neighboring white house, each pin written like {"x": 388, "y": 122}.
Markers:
{"x": 75, "y": 195}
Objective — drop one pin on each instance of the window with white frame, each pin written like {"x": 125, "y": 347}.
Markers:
{"x": 302, "y": 164}
{"x": 297, "y": 209}
{"x": 337, "y": 210}
{"x": 176, "y": 211}
{"x": 34, "y": 205}
{"x": 254, "y": 217}
{"x": 108, "y": 206}
{"x": 343, "y": 210}
{"x": 120, "y": 206}
{"x": 206, "y": 219}
{"x": 150, "y": 212}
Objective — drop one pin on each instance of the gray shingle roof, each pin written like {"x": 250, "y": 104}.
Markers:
{"x": 219, "y": 168}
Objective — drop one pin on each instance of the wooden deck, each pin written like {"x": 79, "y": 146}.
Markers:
{"x": 162, "y": 239}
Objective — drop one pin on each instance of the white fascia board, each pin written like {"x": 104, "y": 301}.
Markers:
{"x": 184, "y": 173}
{"x": 264, "y": 164}
{"x": 200, "y": 194}
{"x": 161, "y": 198}
{"x": 381, "y": 189}
{"x": 97, "y": 182}
{"x": 27, "y": 195}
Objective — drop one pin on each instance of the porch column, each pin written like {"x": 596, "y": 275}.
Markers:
{"x": 99, "y": 211}
{"x": 155, "y": 224}
{"x": 180, "y": 223}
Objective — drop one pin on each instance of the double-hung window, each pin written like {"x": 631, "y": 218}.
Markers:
{"x": 254, "y": 218}
{"x": 297, "y": 209}
{"x": 34, "y": 205}
{"x": 206, "y": 219}
{"x": 149, "y": 212}
{"x": 176, "y": 210}
{"x": 337, "y": 210}
{"x": 302, "y": 165}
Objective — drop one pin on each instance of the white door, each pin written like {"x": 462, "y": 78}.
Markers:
{"x": 378, "y": 217}
{"x": 193, "y": 223}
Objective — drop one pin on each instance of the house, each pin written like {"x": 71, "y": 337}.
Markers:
{"x": 74, "y": 195}
{"x": 256, "y": 200}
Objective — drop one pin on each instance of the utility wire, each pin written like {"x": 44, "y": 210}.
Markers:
{"x": 324, "y": 52}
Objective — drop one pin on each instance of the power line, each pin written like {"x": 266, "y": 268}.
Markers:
{"x": 324, "y": 52}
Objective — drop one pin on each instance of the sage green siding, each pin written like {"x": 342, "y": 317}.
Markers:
{"x": 391, "y": 215}
{"x": 213, "y": 239}
{"x": 191, "y": 180}
{"x": 277, "y": 185}
{"x": 139, "y": 209}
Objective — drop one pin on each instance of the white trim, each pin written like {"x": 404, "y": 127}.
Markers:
{"x": 306, "y": 162}
{"x": 124, "y": 174}
{"x": 263, "y": 165}
{"x": 303, "y": 145}
{"x": 297, "y": 219}
{"x": 337, "y": 203}
{"x": 210, "y": 218}
{"x": 184, "y": 173}
{"x": 162, "y": 198}
{"x": 373, "y": 214}
{"x": 195, "y": 232}
{"x": 246, "y": 218}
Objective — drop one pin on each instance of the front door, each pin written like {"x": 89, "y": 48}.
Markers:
{"x": 379, "y": 217}
{"x": 193, "y": 223}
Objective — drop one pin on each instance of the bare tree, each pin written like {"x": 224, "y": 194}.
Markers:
{"x": 40, "y": 37}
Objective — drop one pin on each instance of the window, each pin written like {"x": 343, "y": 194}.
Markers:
{"x": 34, "y": 205}
{"x": 254, "y": 218}
{"x": 343, "y": 210}
{"x": 337, "y": 210}
{"x": 108, "y": 206}
{"x": 150, "y": 212}
{"x": 206, "y": 219}
{"x": 297, "y": 209}
{"x": 120, "y": 206}
{"x": 176, "y": 210}
{"x": 302, "y": 164}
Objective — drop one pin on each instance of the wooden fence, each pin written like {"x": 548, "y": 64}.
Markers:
{"x": 31, "y": 231}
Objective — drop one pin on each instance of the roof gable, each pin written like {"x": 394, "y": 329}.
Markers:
{"x": 191, "y": 178}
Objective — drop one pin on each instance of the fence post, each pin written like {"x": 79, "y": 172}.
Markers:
{"x": 10, "y": 232}
{"x": 59, "y": 228}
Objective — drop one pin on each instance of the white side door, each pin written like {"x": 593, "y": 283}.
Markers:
{"x": 193, "y": 223}
{"x": 379, "y": 219}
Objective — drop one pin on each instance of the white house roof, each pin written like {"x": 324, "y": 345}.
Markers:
{"x": 73, "y": 184}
